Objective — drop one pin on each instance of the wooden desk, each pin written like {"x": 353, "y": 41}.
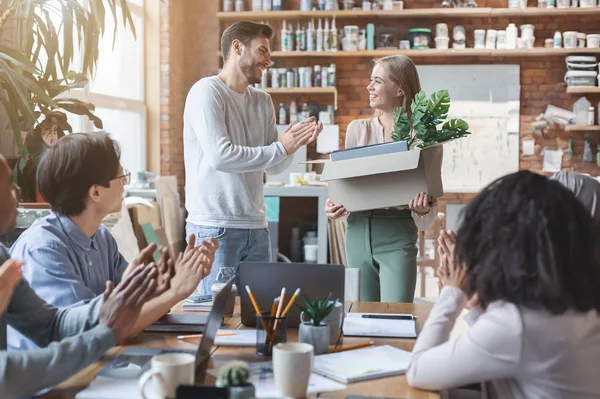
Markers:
{"x": 392, "y": 387}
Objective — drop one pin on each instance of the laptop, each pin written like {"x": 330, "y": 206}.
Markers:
{"x": 134, "y": 361}
{"x": 267, "y": 279}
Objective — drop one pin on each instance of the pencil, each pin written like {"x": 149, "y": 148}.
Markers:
{"x": 200, "y": 335}
{"x": 256, "y": 308}
{"x": 273, "y": 313}
{"x": 351, "y": 347}
{"x": 281, "y": 299}
{"x": 289, "y": 305}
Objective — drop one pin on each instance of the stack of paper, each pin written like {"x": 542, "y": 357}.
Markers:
{"x": 197, "y": 307}
{"x": 363, "y": 364}
{"x": 355, "y": 325}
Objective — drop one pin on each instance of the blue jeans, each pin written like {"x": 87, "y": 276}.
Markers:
{"x": 236, "y": 245}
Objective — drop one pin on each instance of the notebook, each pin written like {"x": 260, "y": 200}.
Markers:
{"x": 240, "y": 338}
{"x": 355, "y": 325}
{"x": 362, "y": 364}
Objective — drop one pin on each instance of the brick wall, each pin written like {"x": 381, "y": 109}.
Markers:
{"x": 190, "y": 41}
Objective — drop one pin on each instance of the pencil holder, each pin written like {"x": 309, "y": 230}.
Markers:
{"x": 270, "y": 331}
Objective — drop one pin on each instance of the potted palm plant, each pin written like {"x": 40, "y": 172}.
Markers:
{"x": 314, "y": 331}
{"x": 235, "y": 376}
{"x": 47, "y": 37}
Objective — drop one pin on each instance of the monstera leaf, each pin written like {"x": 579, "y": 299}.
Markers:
{"x": 421, "y": 129}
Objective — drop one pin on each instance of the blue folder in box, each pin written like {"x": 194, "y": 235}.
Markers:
{"x": 369, "y": 150}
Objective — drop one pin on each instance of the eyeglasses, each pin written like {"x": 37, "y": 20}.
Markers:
{"x": 125, "y": 177}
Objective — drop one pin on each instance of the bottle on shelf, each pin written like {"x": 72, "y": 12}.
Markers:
{"x": 598, "y": 156}
{"x": 325, "y": 77}
{"x": 302, "y": 38}
{"x": 293, "y": 112}
{"x": 282, "y": 114}
{"x": 275, "y": 78}
{"x": 512, "y": 34}
{"x": 277, "y": 5}
{"x": 591, "y": 115}
{"x": 587, "y": 152}
{"x": 290, "y": 38}
{"x": 305, "y": 112}
{"x": 298, "y": 38}
{"x": 256, "y": 5}
{"x": 227, "y": 5}
{"x": 557, "y": 39}
{"x": 320, "y": 36}
{"x": 310, "y": 36}
{"x": 317, "y": 82}
{"x": 331, "y": 75}
{"x": 326, "y": 44}
{"x": 239, "y": 5}
{"x": 306, "y": 5}
{"x": 284, "y": 37}
{"x": 267, "y": 5}
{"x": 333, "y": 36}
{"x": 321, "y": 5}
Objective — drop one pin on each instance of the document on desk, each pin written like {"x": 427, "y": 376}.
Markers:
{"x": 236, "y": 338}
{"x": 261, "y": 375}
{"x": 363, "y": 364}
{"x": 380, "y": 325}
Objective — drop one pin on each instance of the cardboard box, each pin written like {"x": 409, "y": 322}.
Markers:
{"x": 142, "y": 214}
{"x": 387, "y": 180}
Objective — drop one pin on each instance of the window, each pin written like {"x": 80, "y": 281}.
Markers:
{"x": 117, "y": 90}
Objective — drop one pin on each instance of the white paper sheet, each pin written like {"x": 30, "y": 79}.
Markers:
{"x": 356, "y": 325}
{"x": 528, "y": 147}
{"x": 261, "y": 375}
{"x": 329, "y": 139}
{"x": 552, "y": 161}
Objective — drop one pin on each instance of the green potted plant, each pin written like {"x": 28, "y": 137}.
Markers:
{"x": 314, "y": 331}
{"x": 234, "y": 376}
{"x": 421, "y": 129}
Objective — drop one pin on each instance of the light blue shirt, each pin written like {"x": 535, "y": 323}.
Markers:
{"x": 64, "y": 266}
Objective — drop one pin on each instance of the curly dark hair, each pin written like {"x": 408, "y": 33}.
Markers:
{"x": 527, "y": 240}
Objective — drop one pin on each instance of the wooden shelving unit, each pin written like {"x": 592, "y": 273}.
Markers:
{"x": 583, "y": 89}
{"x": 305, "y": 90}
{"x": 408, "y": 13}
{"x": 582, "y": 128}
{"x": 535, "y": 52}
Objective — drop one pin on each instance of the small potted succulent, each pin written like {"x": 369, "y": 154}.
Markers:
{"x": 314, "y": 331}
{"x": 234, "y": 376}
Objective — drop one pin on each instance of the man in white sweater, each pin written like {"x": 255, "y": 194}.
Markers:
{"x": 230, "y": 140}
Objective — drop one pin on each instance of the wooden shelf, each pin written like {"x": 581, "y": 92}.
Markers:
{"x": 583, "y": 89}
{"x": 305, "y": 90}
{"x": 582, "y": 128}
{"x": 408, "y": 13}
{"x": 535, "y": 52}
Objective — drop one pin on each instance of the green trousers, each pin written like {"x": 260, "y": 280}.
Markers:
{"x": 382, "y": 244}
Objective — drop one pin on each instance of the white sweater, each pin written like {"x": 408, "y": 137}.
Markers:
{"x": 230, "y": 140}
{"x": 519, "y": 353}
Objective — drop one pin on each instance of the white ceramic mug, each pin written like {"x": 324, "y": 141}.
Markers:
{"x": 292, "y": 365}
{"x": 167, "y": 372}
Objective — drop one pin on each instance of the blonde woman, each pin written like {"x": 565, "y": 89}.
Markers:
{"x": 382, "y": 242}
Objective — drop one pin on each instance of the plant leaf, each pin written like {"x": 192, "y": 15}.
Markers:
{"x": 439, "y": 104}
{"x": 401, "y": 125}
{"x": 418, "y": 108}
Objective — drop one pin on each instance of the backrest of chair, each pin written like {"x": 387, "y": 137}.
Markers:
{"x": 352, "y": 284}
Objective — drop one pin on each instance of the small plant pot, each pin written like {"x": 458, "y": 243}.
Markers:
{"x": 242, "y": 392}
{"x": 317, "y": 336}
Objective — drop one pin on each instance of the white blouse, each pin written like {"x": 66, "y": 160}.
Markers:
{"x": 516, "y": 352}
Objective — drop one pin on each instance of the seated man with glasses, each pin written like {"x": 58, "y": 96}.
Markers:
{"x": 69, "y": 255}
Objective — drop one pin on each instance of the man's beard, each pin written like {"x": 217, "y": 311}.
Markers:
{"x": 247, "y": 66}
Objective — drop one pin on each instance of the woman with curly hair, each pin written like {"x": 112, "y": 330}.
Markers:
{"x": 527, "y": 253}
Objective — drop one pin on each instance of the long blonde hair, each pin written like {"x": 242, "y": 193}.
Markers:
{"x": 403, "y": 72}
